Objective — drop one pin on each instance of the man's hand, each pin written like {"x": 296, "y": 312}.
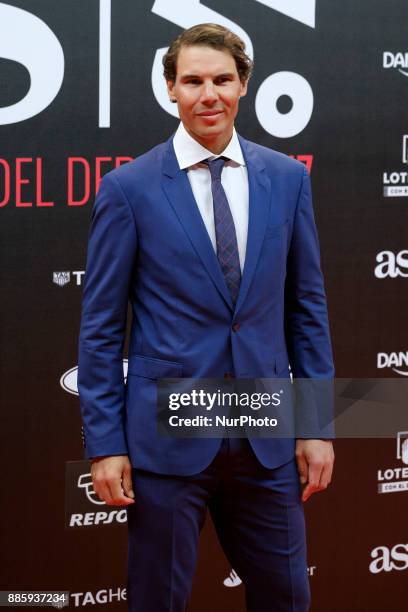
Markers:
{"x": 315, "y": 460}
{"x": 112, "y": 480}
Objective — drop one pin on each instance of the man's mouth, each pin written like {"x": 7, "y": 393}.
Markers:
{"x": 210, "y": 113}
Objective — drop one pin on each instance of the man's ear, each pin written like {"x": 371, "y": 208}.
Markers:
{"x": 244, "y": 88}
{"x": 170, "y": 91}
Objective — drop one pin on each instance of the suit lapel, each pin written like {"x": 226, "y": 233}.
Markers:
{"x": 178, "y": 190}
{"x": 259, "y": 205}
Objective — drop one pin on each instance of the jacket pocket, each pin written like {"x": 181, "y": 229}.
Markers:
{"x": 150, "y": 367}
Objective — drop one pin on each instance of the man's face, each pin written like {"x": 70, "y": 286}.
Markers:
{"x": 207, "y": 90}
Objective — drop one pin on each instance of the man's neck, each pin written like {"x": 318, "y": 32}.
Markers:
{"x": 215, "y": 145}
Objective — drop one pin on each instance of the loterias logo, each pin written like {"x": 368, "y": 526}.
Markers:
{"x": 397, "y": 362}
{"x": 69, "y": 379}
{"x": 397, "y": 61}
{"x": 391, "y": 265}
{"x": 387, "y": 559}
{"x": 83, "y": 508}
{"x": 395, "y": 182}
{"x": 395, "y": 479}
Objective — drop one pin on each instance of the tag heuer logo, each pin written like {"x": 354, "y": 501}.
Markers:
{"x": 61, "y": 278}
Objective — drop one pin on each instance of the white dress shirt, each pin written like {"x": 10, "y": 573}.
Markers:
{"x": 234, "y": 179}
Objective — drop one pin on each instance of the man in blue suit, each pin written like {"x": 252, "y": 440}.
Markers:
{"x": 212, "y": 240}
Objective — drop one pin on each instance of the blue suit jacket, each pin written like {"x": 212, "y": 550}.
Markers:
{"x": 148, "y": 245}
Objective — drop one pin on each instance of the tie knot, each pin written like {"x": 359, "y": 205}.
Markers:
{"x": 215, "y": 166}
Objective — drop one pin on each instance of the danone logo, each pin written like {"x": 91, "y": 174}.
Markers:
{"x": 398, "y": 362}
{"x": 396, "y": 60}
{"x": 69, "y": 380}
{"x": 388, "y": 559}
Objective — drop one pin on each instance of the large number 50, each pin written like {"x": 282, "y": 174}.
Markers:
{"x": 44, "y": 60}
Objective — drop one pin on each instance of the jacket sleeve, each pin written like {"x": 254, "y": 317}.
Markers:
{"x": 306, "y": 324}
{"x": 110, "y": 260}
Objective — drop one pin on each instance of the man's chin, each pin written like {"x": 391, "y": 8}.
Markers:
{"x": 212, "y": 131}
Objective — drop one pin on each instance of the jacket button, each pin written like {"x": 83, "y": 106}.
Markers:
{"x": 236, "y": 327}
{"x": 229, "y": 375}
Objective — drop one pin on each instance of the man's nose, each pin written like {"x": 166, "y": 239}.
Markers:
{"x": 209, "y": 93}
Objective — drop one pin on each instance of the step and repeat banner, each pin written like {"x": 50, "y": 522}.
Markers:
{"x": 82, "y": 92}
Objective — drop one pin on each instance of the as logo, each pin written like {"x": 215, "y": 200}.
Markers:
{"x": 386, "y": 559}
{"x": 392, "y": 264}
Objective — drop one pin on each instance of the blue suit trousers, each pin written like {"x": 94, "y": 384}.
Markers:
{"x": 258, "y": 516}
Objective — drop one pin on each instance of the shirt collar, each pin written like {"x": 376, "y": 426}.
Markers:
{"x": 190, "y": 152}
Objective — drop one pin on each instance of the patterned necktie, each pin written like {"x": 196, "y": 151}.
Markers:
{"x": 226, "y": 238}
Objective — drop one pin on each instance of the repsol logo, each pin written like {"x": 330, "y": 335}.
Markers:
{"x": 388, "y": 559}
{"x": 396, "y": 60}
{"x": 87, "y": 519}
{"x": 391, "y": 265}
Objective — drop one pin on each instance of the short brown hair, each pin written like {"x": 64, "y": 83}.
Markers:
{"x": 210, "y": 35}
